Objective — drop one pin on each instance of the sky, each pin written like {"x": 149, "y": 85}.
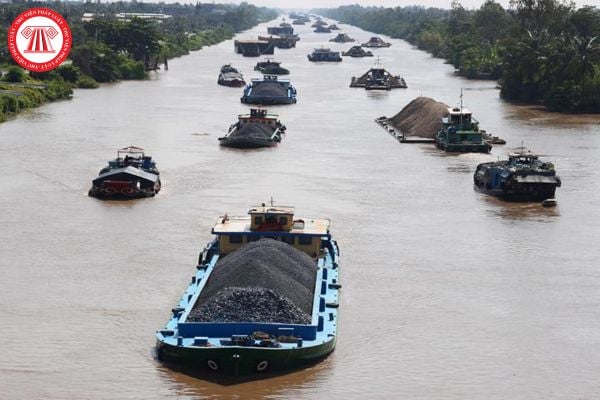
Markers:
{"x": 385, "y": 3}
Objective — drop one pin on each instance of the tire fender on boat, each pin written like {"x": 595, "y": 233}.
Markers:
{"x": 212, "y": 365}
{"x": 127, "y": 191}
{"x": 109, "y": 190}
{"x": 263, "y": 365}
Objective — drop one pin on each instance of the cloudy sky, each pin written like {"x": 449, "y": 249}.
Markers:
{"x": 387, "y": 3}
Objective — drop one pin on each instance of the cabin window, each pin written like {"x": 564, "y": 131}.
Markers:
{"x": 252, "y": 238}
{"x": 288, "y": 239}
{"x": 258, "y": 220}
{"x": 305, "y": 240}
{"x": 283, "y": 220}
{"x": 235, "y": 239}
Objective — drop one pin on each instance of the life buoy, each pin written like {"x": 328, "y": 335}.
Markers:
{"x": 127, "y": 191}
{"x": 213, "y": 365}
{"x": 261, "y": 366}
{"x": 109, "y": 190}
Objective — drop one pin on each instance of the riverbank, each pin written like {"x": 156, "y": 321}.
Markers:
{"x": 108, "y": 49}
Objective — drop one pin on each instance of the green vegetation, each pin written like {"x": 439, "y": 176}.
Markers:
{"x": 109, "y": 49}
{"x": 541, "y": 51}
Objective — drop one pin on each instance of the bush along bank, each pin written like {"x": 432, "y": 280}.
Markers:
{"x": 108, "y": 49}
{"x": 541, "y": 51}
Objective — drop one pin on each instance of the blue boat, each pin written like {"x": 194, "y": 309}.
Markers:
{"x": 247, "y": 348}
{"x": 523, "y": 177}
{"x": 269, "y": 90}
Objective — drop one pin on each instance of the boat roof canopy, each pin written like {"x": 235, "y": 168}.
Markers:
{"x": 226, "y": 225}
{"x": 458, "y": 111}
{"x": 130, "y": 171}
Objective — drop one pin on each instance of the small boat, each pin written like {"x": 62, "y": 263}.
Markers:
{"x": 325, "y": 55}
{"x": 378, "y": 78}
{"x": 286, "y": 29}
{"x": 318, "y": 23}
{"x": 271, "y": 67}
{"x": 131, "y": 175}
{"x": 253, "y": 48}
{"x": 269, "y": 90}
{"x": 230, "y": 76}
{"x": 238, "y": 337}
{"x": 298, "y": 22}
{"x": 322, "y": 29}
{"x": 523, "y": 177}
{"x": 460, "y": 133}
{"x": 357, "y": 51}
{"x": 342, "y": 38}
{"x": 376, "y": 41}
{"x": 333, "y": 27}
{"x": 254, "y": 130}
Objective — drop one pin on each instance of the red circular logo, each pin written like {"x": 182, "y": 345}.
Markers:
{"x": 39, "y": 39}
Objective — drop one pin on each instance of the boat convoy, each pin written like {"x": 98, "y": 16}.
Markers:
{"x": 264, "y": 297}
{"x": 265, "y": 294}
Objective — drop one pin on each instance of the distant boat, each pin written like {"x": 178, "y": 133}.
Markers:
{"x": 254, "y": 130}
{"x": 322, "y": 29}
{"x": 271, "y": 67}
{"x": 376, "y": 41}
{"x": 230, "y": 76}
{"x": 325, "y": 55}
{"x": 523, "y": 177}
{"x": 342, "y": 38}
{"x": 357, "y": 51}
{"x": 378, "y": 78}
{"x": 269, "y": 90}
{"x": 131, "y": 175}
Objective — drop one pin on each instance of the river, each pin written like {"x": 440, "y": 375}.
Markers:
{"x": 447, "y": 293}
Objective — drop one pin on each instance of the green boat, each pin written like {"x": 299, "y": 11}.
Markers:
{"x": 460, "y": 133}
{"x": 246, "y": 348}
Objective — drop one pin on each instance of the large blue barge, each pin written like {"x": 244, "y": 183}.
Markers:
{"x": 269, "y": 90}
{"x": 246, "y": 348}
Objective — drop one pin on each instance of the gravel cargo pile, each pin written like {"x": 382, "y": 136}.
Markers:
{"x": 269, "y": 89}
{"x": 234, "y": 304}
{"x": 254, "y": 130}
{"x": 267, "y": 266}
{"x": 421, "y": 117}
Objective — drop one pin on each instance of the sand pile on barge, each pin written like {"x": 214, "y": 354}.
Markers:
{"x": 263, "y": 281}
{"x": 421, "y": 117}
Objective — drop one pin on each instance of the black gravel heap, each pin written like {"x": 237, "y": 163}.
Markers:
{"x": 254, "y": 130}
{"x": 271, "y": 89}
{"x": 282, "y": 279}
{"x": 235, "y": 304}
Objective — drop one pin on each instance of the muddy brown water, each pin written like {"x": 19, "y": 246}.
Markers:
{"x": 447, "y": 293}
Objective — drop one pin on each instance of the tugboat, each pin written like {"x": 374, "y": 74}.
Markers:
{"x": 131, "y": 175}
{"x": 342, "y": 38}
{"x": 357, "y": 51}
{"x": 244, "y": 344}
{"x": 326, "y": 55}
{"x": 254, "y": 130}
{"x": 376, "y": 41}
{"x": 269, "y": 90}
{"x": 378, "y": 78}
{"x": 523, "y": 177}
{"x": 230, "y": 76}
{"x": 460, "y": 133}
{"x": 271, "y": 67}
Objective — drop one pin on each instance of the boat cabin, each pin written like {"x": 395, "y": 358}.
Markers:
{"x": 275, "y": 222}
{"x": 461, "y": 119}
